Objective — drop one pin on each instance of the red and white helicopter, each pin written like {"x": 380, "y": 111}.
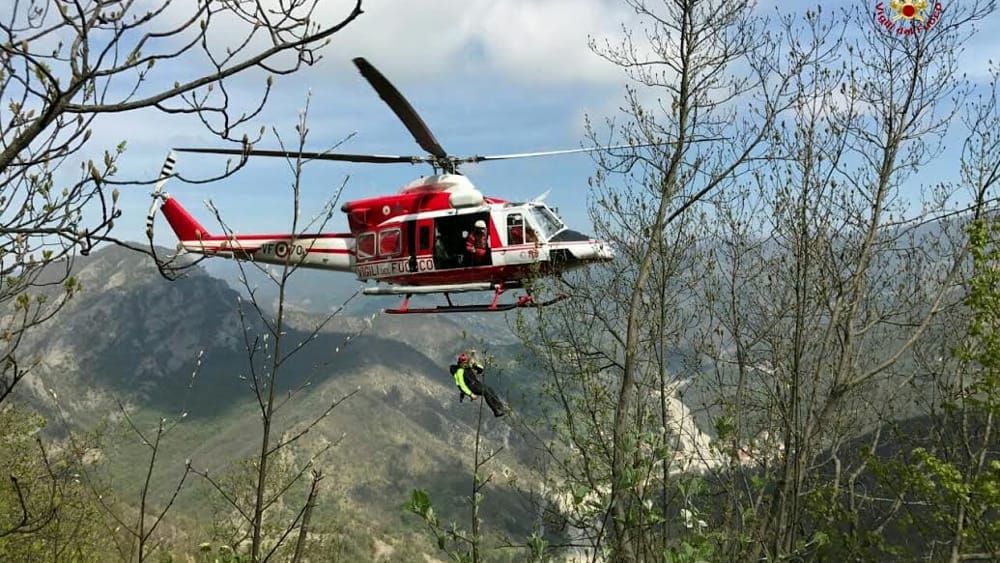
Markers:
{"x": 417, "y": 241}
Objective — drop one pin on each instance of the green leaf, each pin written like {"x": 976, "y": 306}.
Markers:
{"x": 420, "y": 503}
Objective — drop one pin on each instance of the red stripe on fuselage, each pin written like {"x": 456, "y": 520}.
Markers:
{"x": 251, "y": 249}
{"x": 279, "y": 237}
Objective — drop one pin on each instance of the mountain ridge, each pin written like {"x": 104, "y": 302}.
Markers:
{"x": 131, "y": 336}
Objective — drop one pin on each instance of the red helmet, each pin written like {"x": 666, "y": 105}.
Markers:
{"x": 462, "y": 358}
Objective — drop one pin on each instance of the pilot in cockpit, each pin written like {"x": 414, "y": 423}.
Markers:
{"x": 519, "y": 232}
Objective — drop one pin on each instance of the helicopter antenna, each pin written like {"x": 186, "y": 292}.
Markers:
{"x": 541, "y": 197}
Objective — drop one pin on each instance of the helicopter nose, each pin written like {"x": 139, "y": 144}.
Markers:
{"x": 603, "y": 251}
{"x": 581, "y": 249}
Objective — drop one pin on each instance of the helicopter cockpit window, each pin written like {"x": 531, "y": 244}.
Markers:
{"x": 546, "y": 221}
{"x": 389, "y": 242}
{"x": 518, "y": 232}
{"x": 365, "y": 246}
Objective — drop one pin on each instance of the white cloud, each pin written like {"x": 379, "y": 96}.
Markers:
{"x": 534, "y": 42}
{"x": 530, "y": 41}
{"x": 548, "y": 41}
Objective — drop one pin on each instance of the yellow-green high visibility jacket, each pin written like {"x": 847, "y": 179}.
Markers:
{"x": 459, "y": 372}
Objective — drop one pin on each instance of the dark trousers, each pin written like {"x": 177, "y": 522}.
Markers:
{"x": 492, "y": 399}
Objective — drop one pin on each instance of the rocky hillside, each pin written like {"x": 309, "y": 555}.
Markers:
{"x": 132, "y": 336}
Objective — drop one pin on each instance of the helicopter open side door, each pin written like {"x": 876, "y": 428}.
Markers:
{"x": 450, "y": 235}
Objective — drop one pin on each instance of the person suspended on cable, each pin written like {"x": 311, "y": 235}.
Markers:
{"x": 467, "y": 372}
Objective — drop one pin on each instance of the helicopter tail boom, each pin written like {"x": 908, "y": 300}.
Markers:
{"x": 325, "y": 251}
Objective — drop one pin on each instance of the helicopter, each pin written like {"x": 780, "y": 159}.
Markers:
{"x": 438, "y": 235}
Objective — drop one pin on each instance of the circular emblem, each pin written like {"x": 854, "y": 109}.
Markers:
{"x": 909, "y": 10}
{"x": 281, "y": 249}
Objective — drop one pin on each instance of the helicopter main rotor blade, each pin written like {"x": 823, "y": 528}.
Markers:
{"x": 399, "y": 159}
{"x": 402, "y": 108}
{"x": 473, "y": 159}
{"x": 342, "y": 157}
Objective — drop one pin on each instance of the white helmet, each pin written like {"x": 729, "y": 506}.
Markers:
{"x": 480, "y": 224}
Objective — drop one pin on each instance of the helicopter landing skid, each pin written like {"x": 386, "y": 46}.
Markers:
{"x": 493, "y": 307}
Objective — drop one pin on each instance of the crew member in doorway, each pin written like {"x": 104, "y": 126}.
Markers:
{"x": 476, "y": 245}
{"x": 467, "y": 372}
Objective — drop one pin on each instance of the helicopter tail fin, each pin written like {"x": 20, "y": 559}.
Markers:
{"x": 185, "y": 226}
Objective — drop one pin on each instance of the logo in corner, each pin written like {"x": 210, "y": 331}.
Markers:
{"x": 907, "y": 17}
{"x": 908, "y": 10}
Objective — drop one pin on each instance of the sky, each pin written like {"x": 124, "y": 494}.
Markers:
{"x": 487, "y": 76}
